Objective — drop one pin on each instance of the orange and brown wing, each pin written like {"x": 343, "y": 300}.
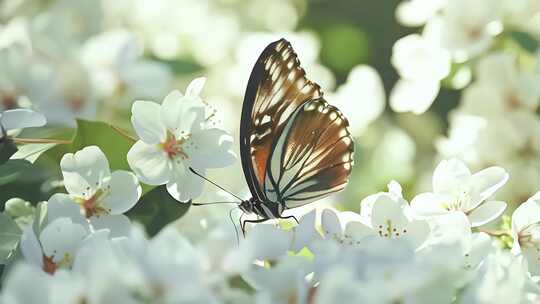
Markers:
{"x": 277, "y": 87}
{"x": 312, "y": 158}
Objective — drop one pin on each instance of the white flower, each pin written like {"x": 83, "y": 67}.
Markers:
{"x": 414, "y": 96}
{"x": 361, "y": 97}
{"x": 456, "y": 189}
{"x": 501, "y": 87}
{"x": 389, "y": 215}
{"x": 463, "y": 136}
{"x": 119, "y": 69}
{"x": 56, "y": 245}
{"x": 284, "y": 282}
{"x": 526, "y": 233}
{"x": 416, "y": 57}
{"x": 175, "y": 137}
{"x": 103, "y": 196}
{"x": 418, "y": 12}
{"x": 305, "y": 233}
{"x": 422, "y": 64}
{"x": 263, "y": 242}
{"x": 166, "y": 268}
{"x": 18, "y": 288}
{"x": 20, "y": 119}
{"x": 72, "y": 93}
{"x": 500, "y": 279}
{"x": 466, "y": 28}
{"x": 23, "y": 79}
{"x": 346, "y": 228}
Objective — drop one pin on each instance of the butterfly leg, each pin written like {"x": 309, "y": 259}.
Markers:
{"x": 243, "y": 224}
{"x": 291, "y": 216}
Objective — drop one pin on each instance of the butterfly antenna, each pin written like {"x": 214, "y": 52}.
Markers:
{"x": 211, "y": 182}
{"x": 212, "y": 203}
{"x": 234, "y": 225}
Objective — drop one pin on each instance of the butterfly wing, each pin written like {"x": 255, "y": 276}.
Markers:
{"x": 312, "y": 157}
{"x": 277, "y": 87}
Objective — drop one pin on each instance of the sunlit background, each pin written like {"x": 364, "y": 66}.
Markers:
{"x": 419, "y": 80}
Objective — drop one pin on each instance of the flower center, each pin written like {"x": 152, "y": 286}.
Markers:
{"x": 50, "y": 266}
{"x": 92, "y": 206}
{"x": 174, "y": 147}
{"x": 460, "y": 203}
{"x": 390, "y": 231}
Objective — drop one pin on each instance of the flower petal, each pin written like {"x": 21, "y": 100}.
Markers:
{"x": 195, "y": 87}
{"x": 149, "y": 163}
{"x": 61, "y": 205}
{"x": 417, "y": 232}
{"x": 414, "y": 96}
{"x": 182, "y": 115}
{"x": 84, "y": 171}
{"x": 21, "y": 118}
{"x": 449, "y": 175}
{"x": 357, "y": 231}
{"x": 386, "y": 215}
{"x": 212, "y": 149}
{"x": 429, "y": 204}
{"x": 146, "y": 120}
{"x": 330, "y": 223}
{"x": 305, "y": 233}
{"x": 118, "y": 225}
{"x": 486, "y": 213}
{"x": 266, "y": 241}
{"x": 30, "y": 247}
{"x": 61, "y": 237}
{"x": 487, "y": 181}
{"x": 124, "y": 193}
{"x": 185, "y": 185}
{"x": 532, "y": 256}
{"x": 525, "y": 215}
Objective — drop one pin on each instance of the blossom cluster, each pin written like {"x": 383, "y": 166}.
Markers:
{"x": 79, "y": 247}
{"x": 474, "y": 46}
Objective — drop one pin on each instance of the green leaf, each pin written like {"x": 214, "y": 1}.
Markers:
{"x": 156, "y": 209}
{"x": 12, "y": 170}
{"x": 32, "y": 152}
{"x": 7, "y": 149}
{"x": 92, "y": 133}
{"x": 525, "y": 40}
{"x": 114, "y": 145}
{"x": 10, "y": 234}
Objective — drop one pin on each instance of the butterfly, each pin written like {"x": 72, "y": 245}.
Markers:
{"x": 295, "y": 148}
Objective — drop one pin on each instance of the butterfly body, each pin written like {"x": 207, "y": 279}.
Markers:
{"x": 295, "y": 147}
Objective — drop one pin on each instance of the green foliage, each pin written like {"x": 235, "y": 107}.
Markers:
{"x": 353, "y": 48}
{"x": 7, "y": 149}
{"x": 12, "y": 170}
{"x": 114, "y": 145}
{"x": 525, "y": 41}
{"x": 10, "y": 234}
{"x": 156, "y": 209}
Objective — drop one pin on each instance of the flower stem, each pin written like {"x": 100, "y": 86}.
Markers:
{"x": 124, "y": 133}
{"x": 40, "y": 141}
{"x": 495, "y": 233}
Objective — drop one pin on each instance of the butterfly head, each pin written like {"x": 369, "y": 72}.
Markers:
{"x": 248, "y": 206}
